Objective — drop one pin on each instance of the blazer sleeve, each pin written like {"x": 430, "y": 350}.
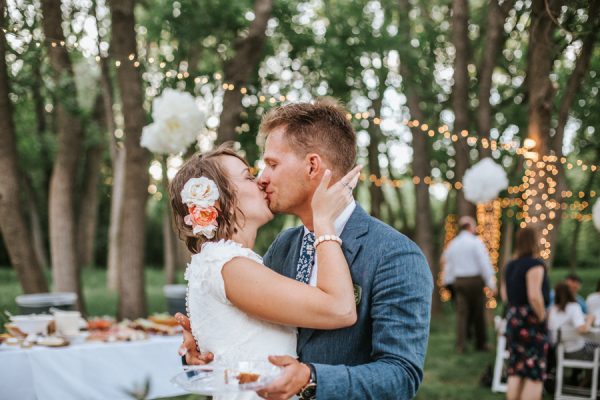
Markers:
{"x": 400, "y": 312}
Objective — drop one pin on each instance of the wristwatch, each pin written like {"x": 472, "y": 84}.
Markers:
{"x": 309, "y": 392}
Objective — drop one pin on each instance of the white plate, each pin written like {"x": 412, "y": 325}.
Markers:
{"x": 222, "y": 378}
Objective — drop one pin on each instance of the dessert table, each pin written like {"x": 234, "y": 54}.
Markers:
{"x": 91, "y": 370}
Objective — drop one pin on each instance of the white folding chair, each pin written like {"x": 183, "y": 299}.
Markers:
{"x": 562, "y": 362}
{"x": 501, "y": 356}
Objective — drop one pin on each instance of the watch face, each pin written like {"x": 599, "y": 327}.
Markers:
{"x": 309, "y": 392}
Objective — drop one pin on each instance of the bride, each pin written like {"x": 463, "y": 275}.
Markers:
{"x": 238, "y": 308}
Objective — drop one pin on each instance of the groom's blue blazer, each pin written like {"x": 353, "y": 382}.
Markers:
{"x": 382, "y": 355}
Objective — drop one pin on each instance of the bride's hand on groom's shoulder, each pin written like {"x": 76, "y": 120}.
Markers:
{"x": 328, "y": 202}
{"x": 188, "y": 348}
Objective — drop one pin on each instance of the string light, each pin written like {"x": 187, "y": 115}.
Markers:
{"x": 525, "y": 188}
{"x": 488, "y": 228}
{"x": 451, "y": 230}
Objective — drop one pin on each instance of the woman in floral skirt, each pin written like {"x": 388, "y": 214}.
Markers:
{"x": 528, "y": 295}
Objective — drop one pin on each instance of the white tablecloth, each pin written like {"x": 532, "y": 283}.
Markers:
{"x": 593, "y": 335}
{"x": 90, "y": 370}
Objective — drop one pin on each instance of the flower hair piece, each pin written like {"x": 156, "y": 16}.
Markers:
{"x": 200, "y": 196}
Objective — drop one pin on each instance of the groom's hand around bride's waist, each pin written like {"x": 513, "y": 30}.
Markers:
{"x": 188, "y": 350}
{"x": 295, "y": 376}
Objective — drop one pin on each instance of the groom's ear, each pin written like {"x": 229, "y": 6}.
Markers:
{"x": 315, "y": 165}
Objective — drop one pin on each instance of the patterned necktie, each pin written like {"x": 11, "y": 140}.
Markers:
{"x": 307, "y": 258}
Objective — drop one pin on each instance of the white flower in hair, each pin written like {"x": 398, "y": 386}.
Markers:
{"x": 208, "y": 231}
{"x": 201, "y": 192}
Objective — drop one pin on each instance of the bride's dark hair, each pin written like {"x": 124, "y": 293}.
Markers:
{"x": 206, "y": 165}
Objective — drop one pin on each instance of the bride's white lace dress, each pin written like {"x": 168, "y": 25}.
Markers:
{"x": 218, "y": 326}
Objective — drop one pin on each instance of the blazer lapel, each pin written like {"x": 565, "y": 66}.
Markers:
{"x": 356, "y": 227}
{"x": 291, "y": 259}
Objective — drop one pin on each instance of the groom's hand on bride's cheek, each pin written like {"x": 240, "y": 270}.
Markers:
{"x": 295, "y": 376}
{"x": 188, "y": 348}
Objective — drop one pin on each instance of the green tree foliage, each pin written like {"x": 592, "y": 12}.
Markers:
{"x": 350, "y": 50}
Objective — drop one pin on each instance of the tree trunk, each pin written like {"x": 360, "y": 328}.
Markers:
{"x": 132, "y": 300}
{"x": 12, "y": 223}
{"x": 586, "y": 189}
{"x": 508, "y": 226}
{"x": 508, "y": 229}
{"x": 375, "y": 190}
{"x": 402, "y": 213}
{"x": 41, "y": 125}
{"x": 34, "y": 201}
{"x": 37, "y": 233}
{"x": 88, "y": 212}
{"x": 582, "y": 65}
{"x": 421, "y": 165}
{"x": 169, "y": 247}
{"x": 117, "y": 157}
{"x": 238, "y": 70}
{"x": 538, "y": 213}
{"x": 65, "y": 271}
{"x": 114, "y": 228}
{"x": 493, "y": 44}
{"x": 460, "y": 96}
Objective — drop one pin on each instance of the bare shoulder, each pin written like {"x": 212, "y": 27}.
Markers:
{"x": 243, "y": 270}
{"x": 536, "y": 270}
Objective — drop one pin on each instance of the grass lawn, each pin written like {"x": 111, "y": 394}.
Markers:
{"x": 448, "y": 376}
{"x": 99, "y": 300}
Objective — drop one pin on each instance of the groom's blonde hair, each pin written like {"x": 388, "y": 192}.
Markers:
{"x": 321, "y": 127}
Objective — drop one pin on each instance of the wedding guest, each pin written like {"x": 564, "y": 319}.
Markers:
{"x": 593, "y": 302}
{"x": 468, "y": 270}
{"x": 527, "y": 292}
{"x": 573, "y": 282}
{"x": 566, "y": 312}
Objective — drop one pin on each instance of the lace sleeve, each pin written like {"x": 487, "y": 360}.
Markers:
{"x": 203, "y": 273}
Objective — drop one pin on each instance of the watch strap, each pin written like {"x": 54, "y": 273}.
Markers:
{"x": 309, "y": 392}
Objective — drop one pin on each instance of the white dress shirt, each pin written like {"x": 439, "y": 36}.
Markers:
{"x": 467, "y": 256}
{"x": 572, "y": 317}
{"x": 339, "y": 224}
{"x": 593, "y": 303}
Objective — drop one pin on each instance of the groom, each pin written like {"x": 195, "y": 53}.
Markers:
{"x": 382, "y": 355}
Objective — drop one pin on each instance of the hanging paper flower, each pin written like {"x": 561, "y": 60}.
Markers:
{"x": 484, "y": 181}
{"x": 596, "y": 214}
{"x": 178, "y": 120}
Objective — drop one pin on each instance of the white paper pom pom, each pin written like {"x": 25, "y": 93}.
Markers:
{"x": 484, "y": 181}
{"x": 178, "y": 120}
{"x": 596, "y": 214}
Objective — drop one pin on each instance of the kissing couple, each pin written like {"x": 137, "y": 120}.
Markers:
{"x": 341, "y": 303}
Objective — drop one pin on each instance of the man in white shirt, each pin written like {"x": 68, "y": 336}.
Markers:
{"x": 467, "y": 267}
{"x": 593, "y": 303}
